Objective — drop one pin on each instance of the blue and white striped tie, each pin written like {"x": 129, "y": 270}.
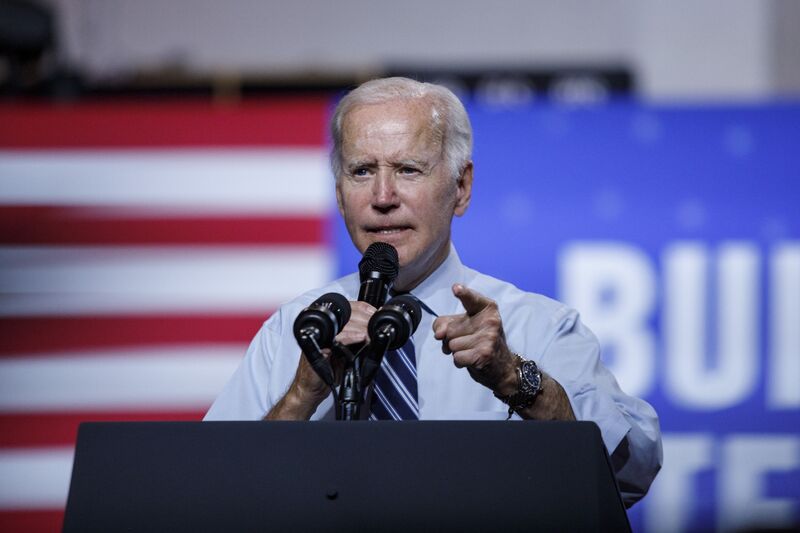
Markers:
{"x": 394, "y": 390}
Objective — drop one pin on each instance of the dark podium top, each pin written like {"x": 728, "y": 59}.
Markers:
{"x": 333, "y": 476}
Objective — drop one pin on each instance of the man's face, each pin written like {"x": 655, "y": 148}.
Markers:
{"x": 395, "y": 186}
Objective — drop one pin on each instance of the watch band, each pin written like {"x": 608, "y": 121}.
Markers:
{"x": 529, "y": 383}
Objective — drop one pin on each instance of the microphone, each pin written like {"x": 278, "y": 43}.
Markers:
{"x": 389, "y": 328}
{"x": 396, "y": 321}
{"x": 315, "y": 328}
{"x": 377, "y": 269}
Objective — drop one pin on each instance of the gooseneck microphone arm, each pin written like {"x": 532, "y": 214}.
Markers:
{"x": 315, "y": 329}
{"x": 313, "y": 352}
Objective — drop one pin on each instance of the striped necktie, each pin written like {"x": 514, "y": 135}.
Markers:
{"x": 394, "y": 390}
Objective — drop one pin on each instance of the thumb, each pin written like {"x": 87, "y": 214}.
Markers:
{"x": 473, "y": 301}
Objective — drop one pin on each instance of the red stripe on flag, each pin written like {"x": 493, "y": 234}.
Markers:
{"x": 84, "y": 226}
{"x": 30, "y": 335}
{"x": 34, "y": 521}
{"x": 283, "y": 121}
{"x": 59, "y": 429}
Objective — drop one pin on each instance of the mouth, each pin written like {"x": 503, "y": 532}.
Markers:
{"x": 386, "y": 230}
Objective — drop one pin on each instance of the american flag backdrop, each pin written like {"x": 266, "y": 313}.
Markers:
{"x": 141, "y": 246}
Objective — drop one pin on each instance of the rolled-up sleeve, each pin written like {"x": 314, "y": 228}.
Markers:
{"x": 629, "y": 426}
{"x": 246, "y": 396}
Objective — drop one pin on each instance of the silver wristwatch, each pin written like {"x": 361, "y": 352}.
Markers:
{"x": 529, "y": 383}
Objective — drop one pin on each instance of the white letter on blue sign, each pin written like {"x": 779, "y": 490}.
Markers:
{"x": 668, "y": 506}
{"x": 783, "y": 378}
{"x": 732, "y": 377}
{"x": 745, "y": 461}
{"x": 612, "y": 285}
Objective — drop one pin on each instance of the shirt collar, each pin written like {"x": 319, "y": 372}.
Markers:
{"x": 437, "y": 289}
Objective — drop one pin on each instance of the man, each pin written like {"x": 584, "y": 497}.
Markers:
{"x": 402, "y": 161}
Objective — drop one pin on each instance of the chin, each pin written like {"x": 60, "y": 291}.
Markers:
{"x": 399, "y": 240}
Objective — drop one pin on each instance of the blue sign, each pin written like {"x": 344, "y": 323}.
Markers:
{"x": 675, "y": 231}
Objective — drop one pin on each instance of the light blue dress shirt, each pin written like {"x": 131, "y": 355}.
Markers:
{"x": 536, "y": 327}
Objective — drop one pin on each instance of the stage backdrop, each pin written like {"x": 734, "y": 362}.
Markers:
{"x": 142, "y": 244}
{"x": 675, "y": 231}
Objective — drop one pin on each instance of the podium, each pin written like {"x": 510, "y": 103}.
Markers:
{"x": 335, "y": 476}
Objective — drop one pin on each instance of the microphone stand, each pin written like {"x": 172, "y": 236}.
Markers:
{"x": 349, "y": 396}
{"x": 351, "y": 391}
{"x": 349, "y": 405}
{"x": 354, "y": 382}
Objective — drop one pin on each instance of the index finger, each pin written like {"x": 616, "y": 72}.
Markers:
{"x": 473, "y": 301}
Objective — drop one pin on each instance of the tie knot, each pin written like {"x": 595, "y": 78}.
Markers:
{"x": 423, "y": 305}
{"x": 392, "y": 293}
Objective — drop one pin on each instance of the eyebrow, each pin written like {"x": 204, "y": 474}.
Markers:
{"x": 360, "y": 163}
{"x": 413, "y": 163}
{"x": 371, "y": 163}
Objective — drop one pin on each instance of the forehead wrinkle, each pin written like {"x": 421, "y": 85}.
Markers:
{"x": 372, "y": 134}
{"x": 362, "y": 148}
{"x": 425, "y": 136}
{"x": 389, "y": 128}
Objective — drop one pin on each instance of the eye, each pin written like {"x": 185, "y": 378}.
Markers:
{"x": 360, "y": 172}
{"x": 407, "y": 170}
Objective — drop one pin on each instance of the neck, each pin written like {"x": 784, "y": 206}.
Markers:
{"x": 409, "y": 278}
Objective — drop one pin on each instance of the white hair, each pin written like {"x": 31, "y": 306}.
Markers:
{"x": 448, "y": 117}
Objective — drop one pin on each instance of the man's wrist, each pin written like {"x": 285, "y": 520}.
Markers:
{"x": 528, "y": 385}
{"x": 509, "y": 383}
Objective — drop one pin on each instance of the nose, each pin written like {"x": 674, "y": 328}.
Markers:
{"x": 384, "y": 192}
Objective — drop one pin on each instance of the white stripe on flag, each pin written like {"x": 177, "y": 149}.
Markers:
{"x": 295, "y": 181}
{"x": 35, "y": 478}
{"x": 81, "y": 280}
{"x": 149, "y": 378}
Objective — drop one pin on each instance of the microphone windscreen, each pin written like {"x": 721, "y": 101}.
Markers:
{"x": 401, "y": 315}
{"x": 411, "y": 305}
{"x": 379, "y": 257}
{"x": 338, "y": 304}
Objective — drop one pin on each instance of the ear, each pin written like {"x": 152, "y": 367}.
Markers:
{"x": 339, "y": 201}
{"x": 463, "y": 190}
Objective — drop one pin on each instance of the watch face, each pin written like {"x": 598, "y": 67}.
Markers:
{"x": 531, "y": 377}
